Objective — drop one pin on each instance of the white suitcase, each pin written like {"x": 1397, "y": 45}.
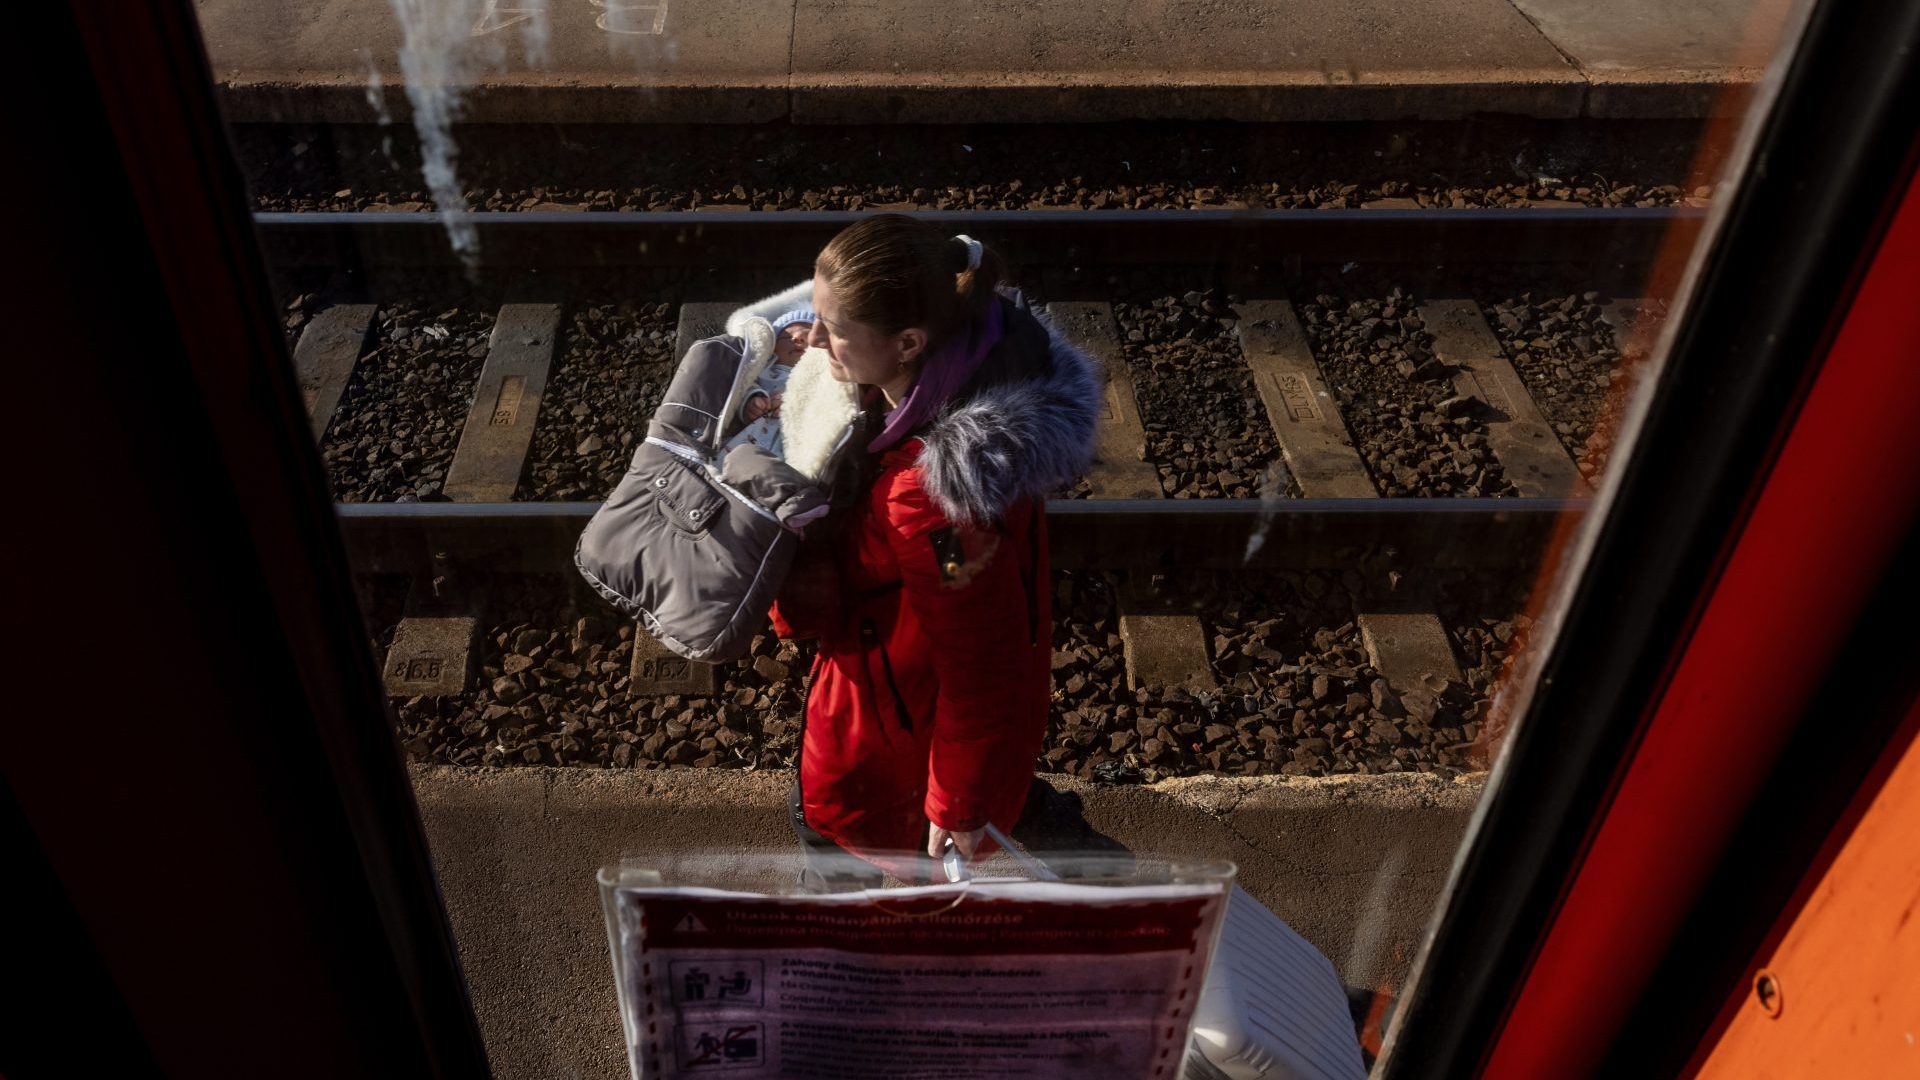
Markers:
{"x": 1272, "y": 1007}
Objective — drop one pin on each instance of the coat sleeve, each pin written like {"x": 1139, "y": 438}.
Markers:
{"x": 810, "y": 603}
{"x": 963, "y": 584}
{"x": 741, "y": 412}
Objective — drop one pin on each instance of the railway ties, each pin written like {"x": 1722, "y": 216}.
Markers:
{"x": 1523, "y": 441}
{"x": 432, "y": 647}
{"x": 323, "y": 361}
{"x": 1163, "y": 645}
{"x": 506, "y": 405}
{"x": 1406, "y": 647}
{"x": 700, "y": 319}
{"x": 432, "y": 651}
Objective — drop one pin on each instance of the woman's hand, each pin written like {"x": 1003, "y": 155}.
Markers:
{"x": 968, "y": 842}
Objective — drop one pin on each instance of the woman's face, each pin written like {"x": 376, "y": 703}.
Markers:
{"x": 856, "y": 351}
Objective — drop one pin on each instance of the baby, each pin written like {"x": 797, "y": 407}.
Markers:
{"x": 761, "y": 410}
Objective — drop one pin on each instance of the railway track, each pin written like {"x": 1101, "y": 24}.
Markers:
{"x": 535, "y": 239}
{"x": 1351, "y": 633}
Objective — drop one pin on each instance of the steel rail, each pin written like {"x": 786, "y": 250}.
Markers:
{"x": 1085, "y": 534}
{"x": 785, "y": 238}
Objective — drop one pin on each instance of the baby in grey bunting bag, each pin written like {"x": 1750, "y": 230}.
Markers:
{"x": 697, "y": 538}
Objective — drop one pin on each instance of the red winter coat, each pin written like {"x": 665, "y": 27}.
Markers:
{"x": 929, "y": 695}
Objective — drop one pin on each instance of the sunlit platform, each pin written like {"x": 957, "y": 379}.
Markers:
{"x": 929, "y": 61}
{"x": 1354, "y": 864}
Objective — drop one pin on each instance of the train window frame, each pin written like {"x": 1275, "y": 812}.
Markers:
{"x": 1789, "y": 233}
{"x": 1762, "y": 305}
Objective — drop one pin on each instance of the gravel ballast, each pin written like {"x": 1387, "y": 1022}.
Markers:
{"x": 1207, "y": 432}
{"x": 1103, "y": 166}
{"x": 1296, "y": 695}
{"x": 616, "y": 361}
{"x": 1416, "y": 437}
{"x": 1573, "y": 365}
{"x": 296, "y": 313}
{"x": 400, "y": 418}
{"x": 552, "y": 687}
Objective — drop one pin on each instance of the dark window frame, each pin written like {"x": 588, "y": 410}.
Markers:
{"x": 336, "y": 816}
{"x": 1765, "y": 303}
{"x": 221, "y": 809}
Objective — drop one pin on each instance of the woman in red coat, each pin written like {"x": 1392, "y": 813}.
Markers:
{"x": 928, "y": 699}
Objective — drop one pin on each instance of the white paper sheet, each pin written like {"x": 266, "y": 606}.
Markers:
{"x": 991, "y": 979}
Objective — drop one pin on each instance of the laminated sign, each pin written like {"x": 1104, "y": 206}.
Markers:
{"x": 988, "y": 979}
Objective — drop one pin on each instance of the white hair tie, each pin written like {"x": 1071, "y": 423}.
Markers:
{"x": 973, "y": 250}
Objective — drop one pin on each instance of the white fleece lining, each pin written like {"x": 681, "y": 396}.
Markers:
{"x": 757, "y": 336}
{"x": 816, "y": 413}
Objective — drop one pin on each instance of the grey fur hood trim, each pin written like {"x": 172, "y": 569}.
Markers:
{"x": 1028, "y": 431}
{"x": 1016, "y": 439}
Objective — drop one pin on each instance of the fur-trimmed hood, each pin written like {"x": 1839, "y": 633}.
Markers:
{"x": 1024, "y": 427}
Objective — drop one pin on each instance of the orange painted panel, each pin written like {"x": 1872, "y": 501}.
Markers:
{"x": 1839, "y": 996}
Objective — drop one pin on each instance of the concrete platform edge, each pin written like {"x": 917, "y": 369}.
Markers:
{"x": 344, "y": 101}
{"x": 1210, "y": 793}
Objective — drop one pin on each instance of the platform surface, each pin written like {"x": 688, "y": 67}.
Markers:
{"x": 1354, "y": 864}
{"x": 960, "y": 61}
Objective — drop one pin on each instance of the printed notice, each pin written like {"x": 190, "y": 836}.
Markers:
{"x": 988, "y": 980}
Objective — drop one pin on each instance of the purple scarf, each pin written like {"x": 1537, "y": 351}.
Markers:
{"x": 944, "y": 373}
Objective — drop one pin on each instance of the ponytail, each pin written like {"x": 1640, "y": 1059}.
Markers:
{"x": 979, "y": 276}
{"x": 892, "y": 272}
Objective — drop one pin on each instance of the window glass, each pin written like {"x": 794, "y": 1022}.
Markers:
{"x": 1368, "y": 298}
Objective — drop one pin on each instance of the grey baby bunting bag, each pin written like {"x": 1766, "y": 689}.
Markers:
{"x": 696, "y": 540}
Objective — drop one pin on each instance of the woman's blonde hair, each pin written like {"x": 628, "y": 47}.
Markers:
{"x": 893, "y": 272}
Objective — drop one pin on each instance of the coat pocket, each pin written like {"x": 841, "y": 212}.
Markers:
{"x": 870, "y": 641}
{"x": 686, "y": 499}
